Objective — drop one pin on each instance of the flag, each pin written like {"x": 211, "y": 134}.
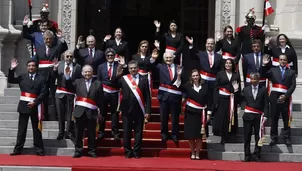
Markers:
{"x": 29, "y": 4}
{"x": 268, "y": 8}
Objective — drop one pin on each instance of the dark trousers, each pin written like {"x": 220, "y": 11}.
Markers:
{"x": 133, "y": 120}
{"x": 112, "y": 100}
{"x": 22, "y": 129}
{"x": 248, "y": 126}
{"x": 276, "y": 109}
{"x": 211, "y": 85}
{"x": 64, "y": 108}
{"x": 81, "y": 123}
{"x": 167, "y": 107}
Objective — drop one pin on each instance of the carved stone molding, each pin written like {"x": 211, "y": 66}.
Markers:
{"x": 66, "y": 20}
{"x": 226, "y": 13}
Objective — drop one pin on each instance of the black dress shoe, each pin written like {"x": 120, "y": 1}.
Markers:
{"x": 255, "y": 158}
{"x": 77, "y": 155}
{"x": 60, "y": 137}
{"x": 136, "y": 155}
{"x": 164, "y": 139}
{"x": 128, "y": 155}
{"x": 247, "y": 159}
{"x": 273, "y": 142}
{"x": 101, "y": 136}
{"x": 287, "y": 142}
{"x": 93, "y": 155}
{"x": 116, "y": 137}
{"x": 40, "y": 153}
{"x": 174, "y": 139}
{"x": 15, "y": 153}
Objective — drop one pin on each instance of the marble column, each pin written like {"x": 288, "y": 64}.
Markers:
{"x": 68, "y": 20}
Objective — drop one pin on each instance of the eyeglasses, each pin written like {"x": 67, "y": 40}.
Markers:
{"x": 69, "y": 56}
{"x": 109, "y": 55}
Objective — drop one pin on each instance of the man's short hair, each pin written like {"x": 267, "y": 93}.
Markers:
{"x": 257, "y": 41}
{"x": 133, "y": 62}
{"x": 85, "y": 67}
{"x": 48, "y": 33}
{"x": 32, "y": 60}
{"x": 168, "y": 53}
{"x": 255, "y": 74}
{"x": 110, "y": 50}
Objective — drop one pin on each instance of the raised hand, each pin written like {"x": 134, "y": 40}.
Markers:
{"x": 14, "y": 63}
{"x": 121, "y": 60}
{"x": 218, "y": 36}
{"x": 267, "y": 40}
{"x": 107, "y": 37}
{"x": 235, "y": 85}
{"x": 156, "y": 44}
{"x": 154, "y": 53}
{"x": 179, "y": 70}
{"x": 25, "y": 20}
{"x": 80, "y": 42}
{"x": 156, "y": 23}
{"x": 190, "y": 40}
{"x": 266, "y": 59}
{"x": 59, "y": 34}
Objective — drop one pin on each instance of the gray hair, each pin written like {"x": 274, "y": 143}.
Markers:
{"x": 108, "y": 50}
{"x": 255, "y": 74}
{"x": 48, "y": 33}
{"x": 87, "y": 67}
{"x": 168, "y": 53}
{"x": 68, "y": 52}
{"x": 133, "y": 62}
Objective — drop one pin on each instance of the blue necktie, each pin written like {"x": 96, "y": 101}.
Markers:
{"x": 282, "y": 72}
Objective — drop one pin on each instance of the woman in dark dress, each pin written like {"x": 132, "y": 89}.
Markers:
{"x": 173, "y": 40}
{"x": 196, "y": 94}
{"x": 145, "y": 60}
{"x": 226, "y": 97}
{"x": 118, "y": 44}
{"x": 228, "y": 45}
{"x": 284, "y": 46}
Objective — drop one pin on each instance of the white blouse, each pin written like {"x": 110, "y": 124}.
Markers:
{"x": 196, "y": 88}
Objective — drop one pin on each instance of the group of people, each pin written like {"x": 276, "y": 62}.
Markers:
{"x": 88, "y": 80}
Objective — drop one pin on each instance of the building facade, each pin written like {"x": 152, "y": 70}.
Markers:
{"x": 207, "y": 19}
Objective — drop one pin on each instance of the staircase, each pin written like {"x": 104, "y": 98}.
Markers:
{"x": 151, "y": 144}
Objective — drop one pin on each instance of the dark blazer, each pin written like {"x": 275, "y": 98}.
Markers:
{"x": 102, "y": 75}
{"x": 164, "y": 78}
{"x": 129, "y": 101}
{"x": 82, "y": 58}
{"x": 200, "y": 97}
{"x": 35, "y": 37}
{"x": 122, "y": 49}
{"x": 274, "y": 75}
{"x": 231, "y": 48}
{"x": 38, "y": 87}
{"x": 143, "y": 64}
{"x": 249, "y": 65}
{"x": 95, "y": 93}
{"x": 203, "y": 58}
{"x": 61, "y": 80}
{"x": 261, "y": 103}
{"x": 167, "y": 40}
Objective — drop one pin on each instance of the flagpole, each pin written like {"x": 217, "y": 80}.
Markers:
{"x": 31, "y": 18}
{"x": 263, "y": 19}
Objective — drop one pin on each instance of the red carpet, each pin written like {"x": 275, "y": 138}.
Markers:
{"x": 117, "y": 163}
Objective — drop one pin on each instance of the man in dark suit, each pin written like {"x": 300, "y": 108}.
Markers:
{"x": 45, "y": 56}
{"x": 88, "y": 105}
{"x": 169, "y": 96}
{"x": 283, "y": 85}
{"x": 65, "y": 93}
{"x": 107, "y": 75}
{"x": 90, "y": 55}
{"x": 33, "y": 91}
{"x": 135, "y": 107}
{"x": 210, "y": 65}
{"x": 255, "y": 115}
{"x": 252, "y": 62}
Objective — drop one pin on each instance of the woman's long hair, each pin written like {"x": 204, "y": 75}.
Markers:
{"x": 233, "y": 65}
{"x": 286, "y": 38}
{"x": 139, "y": 47}
{"x": 201, "y": 81}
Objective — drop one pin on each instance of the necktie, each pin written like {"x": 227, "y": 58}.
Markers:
{"x": 109, "y": 71}
{"x": 257, "y": 62}
{"x": 170, "y": 72}
{"x": 210, "y": 59}
{"x": 31, "y": 77}
{"x": 282, "y": 72}
{"x": 255, "y": 93}
{"x": 90, "y": 55}
{"x": 87, "y": 85}
{"x": 48, "y": 51}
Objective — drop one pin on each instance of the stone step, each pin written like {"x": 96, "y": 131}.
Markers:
{"x": 240, "y": 139}
{"x": 12, "y": 91}
{"x": 270, "y": 157}
{"x": 233, "y": 147}
{"x": 33, "y": 168}
{"x": 14, "y": 124}
{"x": 9, "y": 99}
{"x": 11, "y": 141}
{"x": 12, "y": 132}
{"x": 8, "y": 107}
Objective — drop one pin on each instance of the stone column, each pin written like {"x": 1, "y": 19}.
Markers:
{"x": 3, "y": 79}
{"x": 68, "y": 21}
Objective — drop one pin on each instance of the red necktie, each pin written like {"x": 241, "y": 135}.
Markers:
{"x": 210, "y": 59}
{"x": 109, "y": 71}
{"x": 170, "y": 72}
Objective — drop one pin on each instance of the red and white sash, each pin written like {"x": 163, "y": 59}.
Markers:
{"x": 225, "y": 92}
{"x": 109, "y": 89}
{"x": 169, "y": 89}
{"x": 63, "y": 90}
{"x": 207, "y": 76}
{"x": 143, "y": 72}
{"x": 117, "y": 57}
{"x": 45, "y": 64}
{"x": 30, "y": 97}
{"x": 170, "y": 49}
{"x": 249, "y": 109}
{"x": 196, "y": 105}
{"x": 136, "y": 91}
{"x": 226, "y": 55}
{"x": 85, "y": 102}
{"x": 283, "y": 89}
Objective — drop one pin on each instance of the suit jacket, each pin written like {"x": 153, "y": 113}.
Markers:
{"x": 260, "y": 103}
{"x": 35, "y": 37}
{"x": 143, "y": 64}
{"x": 61, "y": 79}
{"x": 275, "y": 76}
{"x": 122, "y": 49}
{"x": 56, "y": 50}
{"x": 200, "y": 97}
{"x": 249, "y": 65}
{"x": 129, "y": 101}
{"x": 82, "y": 58}
{"x": 95, "y": 93}
{"x": 102, "y": 75}
{"x": 203, "y": 58}
{"x": 38, "y": 87}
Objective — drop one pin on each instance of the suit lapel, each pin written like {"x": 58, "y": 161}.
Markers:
{"x": 207, "y": 58}
{"x": 83, "y": 83}
{"x": 91, "y": 87}
{"x": 279, "y": 74}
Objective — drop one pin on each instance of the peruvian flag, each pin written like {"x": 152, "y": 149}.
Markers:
{"x": 268, "y": 8}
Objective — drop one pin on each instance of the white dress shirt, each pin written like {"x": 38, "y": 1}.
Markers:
{"x": 255, "y": 91}
{"x": 88, "y": 84}
{"x": 136, "y": 78}
{"x": 93, "y": 51}
{"x": 259, "y": 58}
{"x": 118, "y": 42}
{"x": 211, "y": 53}
{"x": 229, "y": 75}
{"x": 33, "y": 76}
{"x": 283, "y": 49}
{"x": 196, "y": 88}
